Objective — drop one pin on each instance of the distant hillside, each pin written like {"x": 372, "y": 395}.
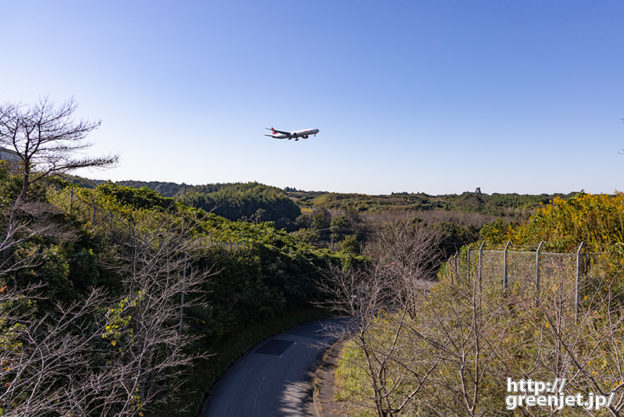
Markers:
{"x": 258, "y": 202}
{"x": 8, "y": 155}
{"x": 511, "y": 204}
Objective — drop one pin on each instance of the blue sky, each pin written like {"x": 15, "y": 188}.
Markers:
{"x": 434, "y": 96}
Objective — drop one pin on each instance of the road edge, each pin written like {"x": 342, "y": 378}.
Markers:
{"x": 318, "y": 380}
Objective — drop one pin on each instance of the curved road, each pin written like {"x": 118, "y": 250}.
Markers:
{"x": 274, "y": 379}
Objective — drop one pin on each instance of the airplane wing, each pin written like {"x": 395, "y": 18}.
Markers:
{"x": 271, "y": 136}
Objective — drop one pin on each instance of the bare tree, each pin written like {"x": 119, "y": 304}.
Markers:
{"x": 380, "y": 299}
{"x": 585, "y": 349}
{"x": 105, "y": 356}
{"x": 424, "y": 350}
{"x": 408, "y": 253}
{"x": 47, "y": 141}
{"x": 467, "y": 328}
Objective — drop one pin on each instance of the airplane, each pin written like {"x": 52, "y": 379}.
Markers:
{"x": 280, "y": 134}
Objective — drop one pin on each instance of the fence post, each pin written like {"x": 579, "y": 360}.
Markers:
{"x": 182, "y": 295}
{"x": 133, "y": 246}
{"x": 468, "y": 264}
{"x": 452, "y": 259}
{"x": 578, "y": 273}
{"x": 456, "y": 265}
{"x": 537, "y": 273}
{"x": 505, "y": 267}
{"x": 480, "y": 264}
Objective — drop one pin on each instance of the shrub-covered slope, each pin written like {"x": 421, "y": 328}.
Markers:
{"x": 123, "y": 252}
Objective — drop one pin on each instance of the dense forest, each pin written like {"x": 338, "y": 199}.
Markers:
{"x": 100, "y": 276}
{"x": 249, "y": 202}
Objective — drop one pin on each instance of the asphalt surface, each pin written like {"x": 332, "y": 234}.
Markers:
{"x": 274, "y": 379}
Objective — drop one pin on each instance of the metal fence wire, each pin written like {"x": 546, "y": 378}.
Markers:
{"x": 528, "y": 273}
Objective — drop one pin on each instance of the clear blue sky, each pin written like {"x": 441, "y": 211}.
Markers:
{"x": 434, "y": 96}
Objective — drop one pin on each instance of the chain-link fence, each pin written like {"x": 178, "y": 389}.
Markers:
{"x": 536, "y": 274}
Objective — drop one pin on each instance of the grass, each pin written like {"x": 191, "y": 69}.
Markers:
{"x": 352, "y": 385}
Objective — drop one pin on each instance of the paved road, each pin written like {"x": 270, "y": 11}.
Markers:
{"x": 274, "y": 378}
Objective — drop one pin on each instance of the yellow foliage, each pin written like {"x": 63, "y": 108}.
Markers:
{"x": 595, "y": 219}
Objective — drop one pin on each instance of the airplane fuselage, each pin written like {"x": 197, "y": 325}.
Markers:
{"x": 303, "y": 133}
{"x": 296, "y": 135}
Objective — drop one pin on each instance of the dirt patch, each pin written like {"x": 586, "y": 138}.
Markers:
{"x": 325, "y": 383}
